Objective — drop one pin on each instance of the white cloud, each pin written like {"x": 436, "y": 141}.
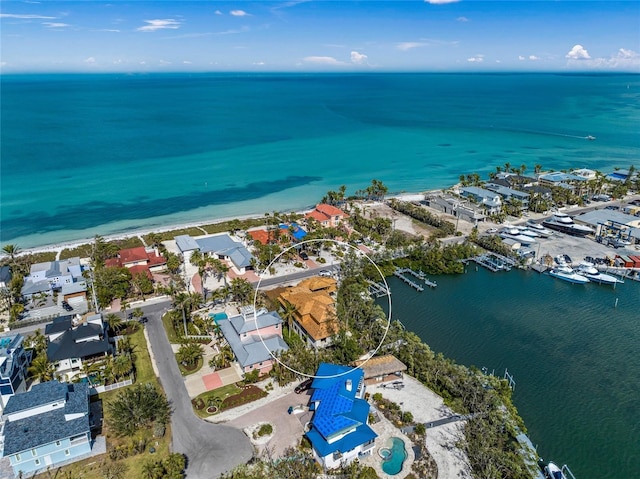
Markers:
{"x": 55, "y": 25}
{"x": 3, "y": 64}
{"x": 462, "y": 19}
{"x": 440, "y": 2}
{"x": 476, "y": 59}
{"x": 259, "y": 63}
{"x": 521, "y": 58}
{"x": 238, "y": 13}
{"x": 187, "y": 62}
{"x": 25, "y": 17}
{"x": 533, "y": 58}
{"x": 90, "y": 60}
{"x": 404, "y": 46}
{"x": 624, "y": 53}
{"x": 357, "y": 57}
{"x": 114, "y": 30}
{"x": 624, "y": 59}
{"x": 578, "y": 52}
{"x": 218, "y": 12}
{"x": 322, "y": 60}
{"x": 159, "y": 24}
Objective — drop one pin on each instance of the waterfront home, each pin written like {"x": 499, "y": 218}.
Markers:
{"x": 137, "y": 260}
{"x": 72, "y": 342}
{"x": 46, "y": 426}
{"x": 585, "y": 173}
{"x": 509, "y": 194}
{"x": 50, "y": 276}
{"x": 253, "y": 338}
{"x": 339, "y": 430}
{"x": 559, "y": 179}
{"x": 327, "y": 215}
{"x": 490, "y": 201}
{"x": 381, "y": 369}
{"x": 284, "y": 232}
{"x": 313, "y": 310}
{"x": 621, "y": 175}
{"x": 455, "y": 207}
{"x": 14, "y": 362}
{"x": 221, "y": 247}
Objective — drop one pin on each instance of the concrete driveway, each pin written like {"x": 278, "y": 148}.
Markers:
{"x": 287, "y": 428}
{"x": 211, "y": 449}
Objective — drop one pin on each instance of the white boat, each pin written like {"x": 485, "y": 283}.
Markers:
{"x": 564, "y": 223}
{"x": 554, "y": 472}
{"x": 588, "y": 270}
{"x": 565, "y": 273}
{"x": 515, "y": 234}
{"x": 590, "y": 137}
{"x": 538, "y": 228}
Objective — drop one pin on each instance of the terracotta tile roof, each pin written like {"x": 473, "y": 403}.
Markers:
{"x": 264, "y": 237}
{"x": 319, "y": 283}
{"x": 330, "y": 210}
{"x": 133, "y": 255}
{"x": 315, "y": 310}
{"x": 318, "y": 216}
{"x": 141, "y": 268}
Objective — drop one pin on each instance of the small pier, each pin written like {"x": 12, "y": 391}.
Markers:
{"x": 378, "y": 290}
{"x": 400, "y": 273}
{"x": 417, "y": 274}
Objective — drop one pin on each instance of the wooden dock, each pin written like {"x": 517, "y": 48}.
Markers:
{"x": 403, "y": 272}
{"x": 378, "y": 289}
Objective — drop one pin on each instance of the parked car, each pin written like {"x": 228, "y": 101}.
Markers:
{"x": 67, "y": 306}
{"x": 492, "y": 231}
{"x": 304, "y": 255}
{"x": 324, "y": 273}
{"x": 303, "y": 386}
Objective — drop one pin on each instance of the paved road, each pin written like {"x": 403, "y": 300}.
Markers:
{"x": 211, "y": 449}
{"x": 286, "y": 278}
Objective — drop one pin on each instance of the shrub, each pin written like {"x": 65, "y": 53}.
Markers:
{"x": 265, "y": 430}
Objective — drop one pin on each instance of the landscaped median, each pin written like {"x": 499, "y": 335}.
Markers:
{"x": 226, "y": 397}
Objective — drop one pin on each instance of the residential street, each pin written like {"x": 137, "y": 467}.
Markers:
{"x": 211, "y": 449}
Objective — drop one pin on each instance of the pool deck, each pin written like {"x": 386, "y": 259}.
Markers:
{"x": 385, "y": 431}
{"x": 426, "y": 407}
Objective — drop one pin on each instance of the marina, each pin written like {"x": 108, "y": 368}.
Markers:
{"x": 399, "y": 273}
{"x": 493, "y": 262}
{"x": 378, "y": 290}
{"x": 420, "y": 275}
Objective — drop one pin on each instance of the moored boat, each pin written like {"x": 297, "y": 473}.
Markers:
{"x": 564, "y": 223}
{"x": 538, "y": 228}
{"x": 589, "y": 271}
{"x": 565, "y": 273}
{"x": 554, "y": 472}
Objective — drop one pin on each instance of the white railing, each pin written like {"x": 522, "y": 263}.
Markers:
{"x": 110, "y": 387}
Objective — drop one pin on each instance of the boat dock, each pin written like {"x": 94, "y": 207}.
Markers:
{"x": 400, "y": 273}
{"x": 493, "y": 261}
{"x": 378, "y": 290}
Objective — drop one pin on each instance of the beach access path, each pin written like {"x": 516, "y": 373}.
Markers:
{"x": 211, "y": 449}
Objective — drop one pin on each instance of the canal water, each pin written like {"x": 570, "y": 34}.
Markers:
{"x": 571, "y": 350}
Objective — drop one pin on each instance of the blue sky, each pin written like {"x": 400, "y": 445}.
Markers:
{"x": 319, "y": 35}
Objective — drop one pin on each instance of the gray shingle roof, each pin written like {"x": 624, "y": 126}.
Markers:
{"x": 31, "y": 432}
{"x": 58, "y": 325}
{"x": 263, "y": 320}
{"x": 66, "y": 347}
{"x": 225, "y": 246}
{"x": 40, "y": 394}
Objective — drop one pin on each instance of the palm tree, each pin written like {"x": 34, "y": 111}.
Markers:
{"x": 115, "y": 322}
{"x": 12, "y": 250}
{"x": 122, "y": 364}
{"x": 289, "y": 313}
{"x": 38, "y": 342}
{"x": 181, "y": 302}
{"x": 223, "y": 358}
{"x": 189, "y": 353}
{"x": 42, "y": 369}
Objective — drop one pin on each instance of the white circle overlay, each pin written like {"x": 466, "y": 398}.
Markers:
{"x": 375, "y": 351}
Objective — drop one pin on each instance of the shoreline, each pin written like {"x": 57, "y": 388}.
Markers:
{"x": 59, "y": 247}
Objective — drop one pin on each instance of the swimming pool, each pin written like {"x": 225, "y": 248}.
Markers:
{"x": 393, "y": 458}
{"x": 217, "y": 316}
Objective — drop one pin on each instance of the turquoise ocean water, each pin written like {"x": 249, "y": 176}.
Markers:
{"x": 87, "y": 154}
{"x": 572, "y": 352}
{"x": 82, "y": 154}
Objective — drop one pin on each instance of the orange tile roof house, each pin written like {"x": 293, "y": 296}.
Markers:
{"x": 138, "y": 259}
{"x": 327, "y": 215}
{"x": 314, "y": 318}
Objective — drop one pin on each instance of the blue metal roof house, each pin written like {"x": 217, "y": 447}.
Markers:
{"x": 339, "y": 431}
{"x": 46, "y": 426}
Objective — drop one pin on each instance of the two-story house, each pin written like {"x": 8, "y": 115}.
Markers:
{"x": 313, "y": 310}
{"x": 73, "y": 342}
{"x": 327, "y": 215}
{"x": 339, "y": 430}
{"x": 490, "y": 201}
{"x": 254, "y": 338}
{"x": 50, "y": 276}
{"x": 139, "y": 260}
{"x": 46, "y": 426}
{"x": 14, "y": 362}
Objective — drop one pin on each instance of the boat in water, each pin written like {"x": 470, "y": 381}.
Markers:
{"x": 590, "y": 137}
{"x": 564, "y": 223}
{"x": 589, "y": 271}
{"x": 565, "y": 273}
{"x": 554, "y": 472}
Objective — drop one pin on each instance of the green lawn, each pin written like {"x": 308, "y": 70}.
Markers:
{"x": 168, "y": 327}
{"x": 185, "y": 371}
{"x": 220, "y": 393}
